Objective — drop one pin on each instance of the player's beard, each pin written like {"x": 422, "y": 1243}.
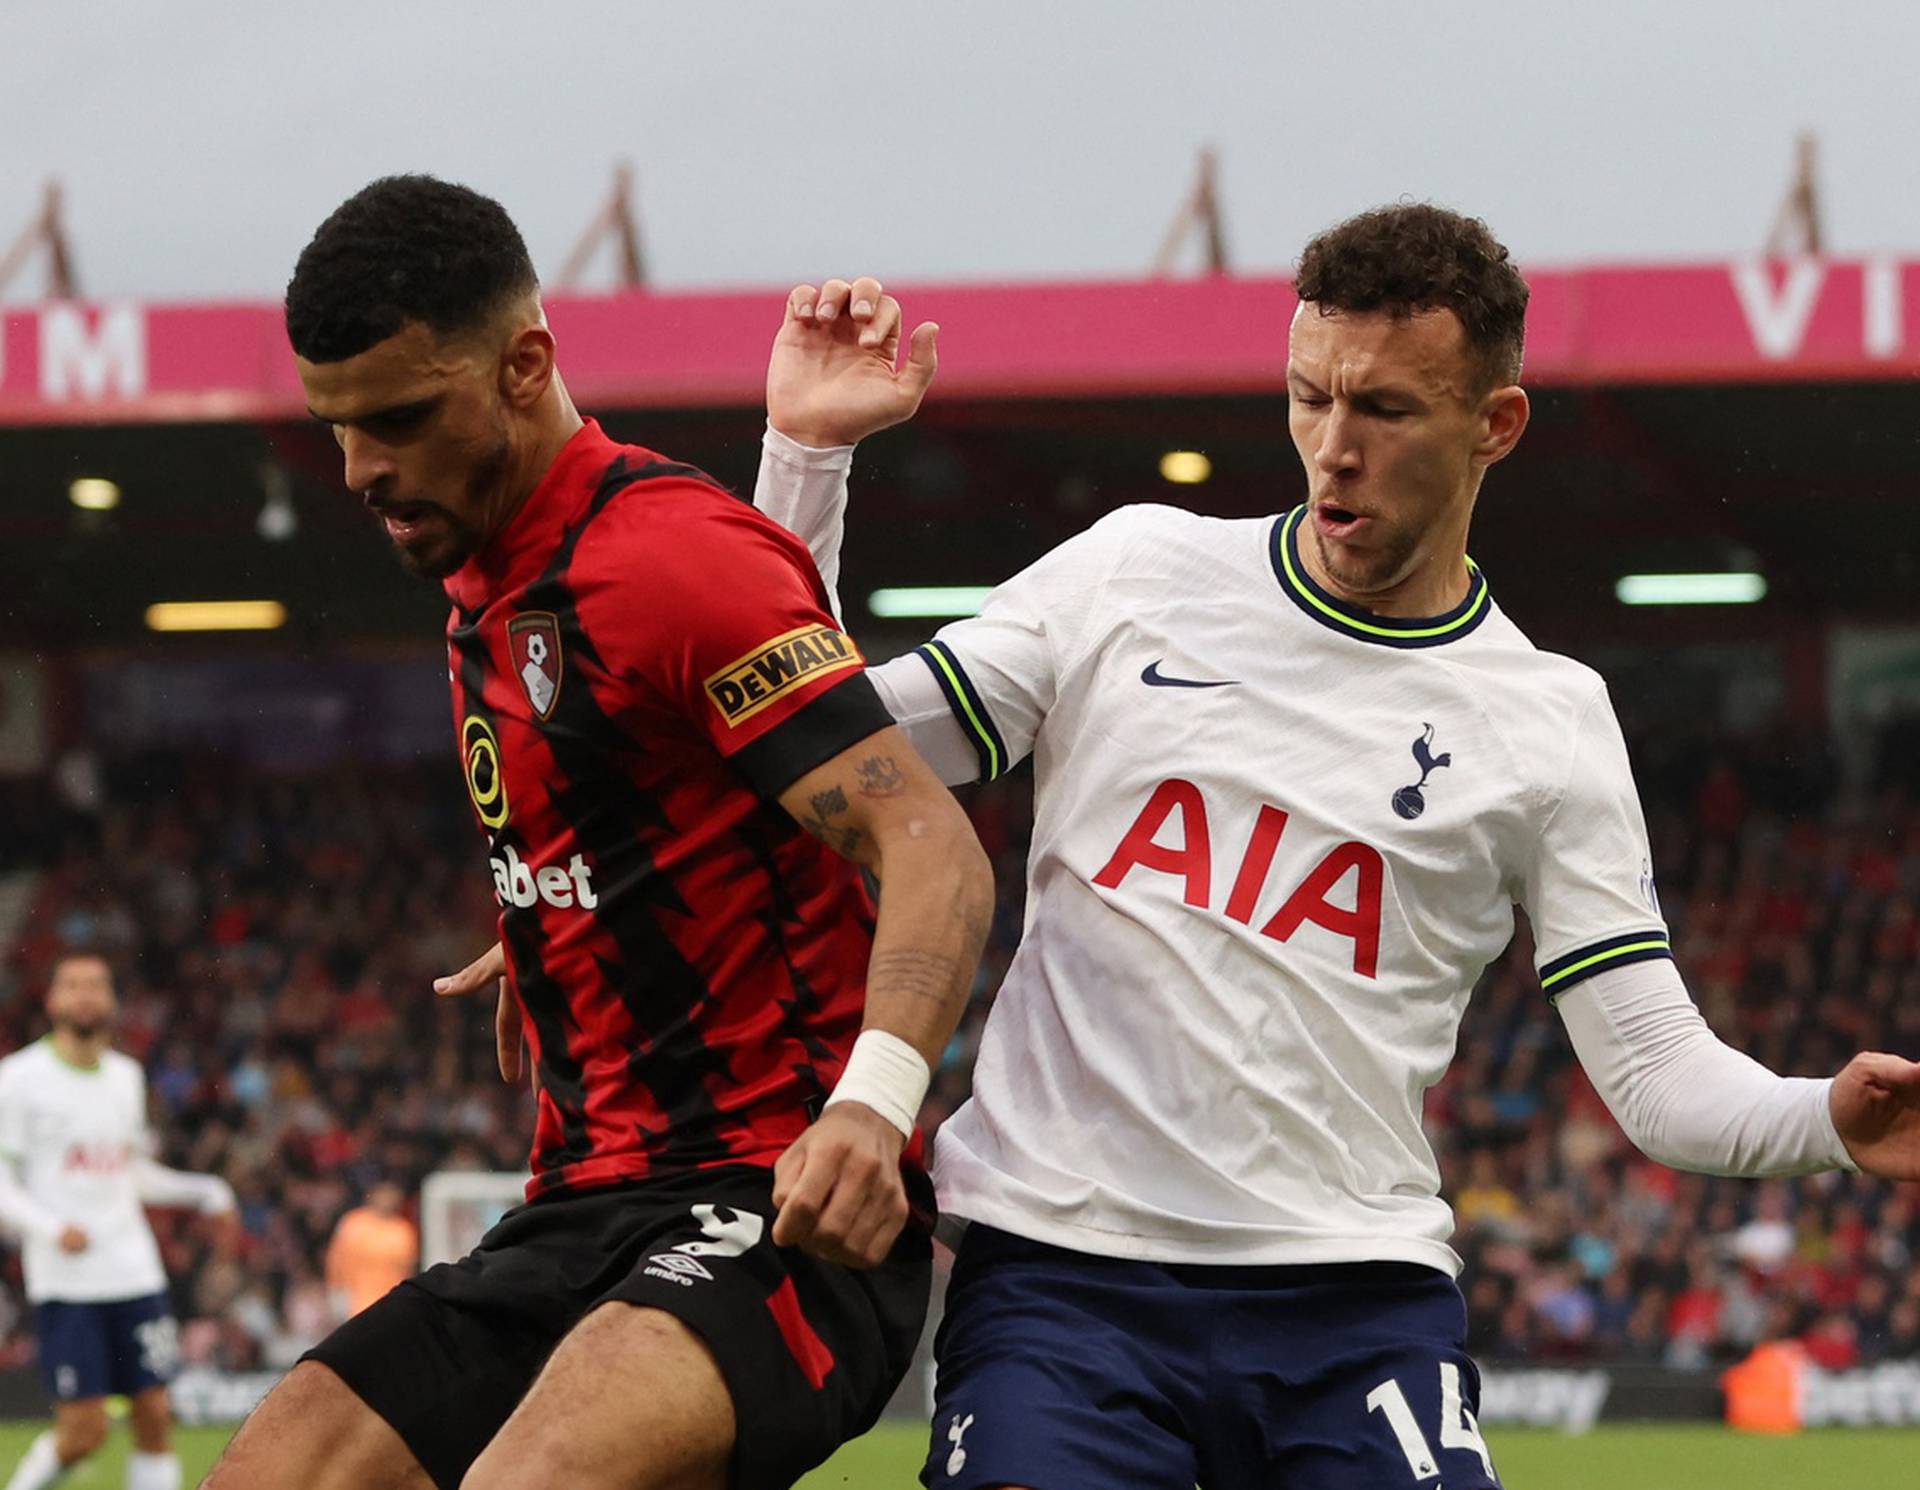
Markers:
{"x": 1382, "y": 567}
{"x": 463, "y": 536}
{"x": 87, "y": 1030}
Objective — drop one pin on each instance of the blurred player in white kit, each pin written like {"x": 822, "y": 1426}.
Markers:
{"x": 74, "y": 1175}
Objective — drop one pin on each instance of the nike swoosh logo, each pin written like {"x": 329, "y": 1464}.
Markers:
{"x": 1153, "y": 678}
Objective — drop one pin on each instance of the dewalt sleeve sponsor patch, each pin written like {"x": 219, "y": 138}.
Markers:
{"x": 777, "y": 668}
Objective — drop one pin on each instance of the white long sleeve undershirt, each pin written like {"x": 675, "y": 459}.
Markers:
{"x": 804, "y": 489}
{"x": 21, "y": 1212}
{"x": 1682, "y": 1096}
{"x": 154, "y": 1183}
{"x": 158, "y": 1185}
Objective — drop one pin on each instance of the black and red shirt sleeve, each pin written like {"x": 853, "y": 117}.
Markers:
{"x": 719, "y": 613}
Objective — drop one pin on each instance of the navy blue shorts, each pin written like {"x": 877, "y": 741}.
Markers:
{"x": 107, "y": 1349}
{"x": 1064, "y": 1371}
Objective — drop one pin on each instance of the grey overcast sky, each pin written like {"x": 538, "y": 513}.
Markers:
{"x": 201, "y": 142}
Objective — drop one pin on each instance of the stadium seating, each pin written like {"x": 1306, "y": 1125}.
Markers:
{"x": 276, "y": 937}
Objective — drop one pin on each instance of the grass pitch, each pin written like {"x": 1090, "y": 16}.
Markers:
{"x": 1616, "y": 1458}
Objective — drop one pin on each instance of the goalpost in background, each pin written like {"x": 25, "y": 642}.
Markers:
{"x": 457, "y": 1206}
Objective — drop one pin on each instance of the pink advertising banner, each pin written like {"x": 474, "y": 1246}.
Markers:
{"x": 1750, "y": 321}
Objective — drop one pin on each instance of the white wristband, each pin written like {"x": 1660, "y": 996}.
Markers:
{"x": 886, "y": 1074}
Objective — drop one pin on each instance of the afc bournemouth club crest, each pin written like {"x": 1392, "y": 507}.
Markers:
{"x": 535, "y": 640}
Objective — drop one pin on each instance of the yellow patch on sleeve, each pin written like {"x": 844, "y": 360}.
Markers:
{"x": 776, "y": 668}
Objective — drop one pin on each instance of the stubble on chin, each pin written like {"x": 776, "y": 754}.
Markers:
{"x": 1359, "y": 581}
{"x": 462, "y": 541}
{"x": 436, "y": 564}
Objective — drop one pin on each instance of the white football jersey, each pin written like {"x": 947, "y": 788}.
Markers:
{"x": 74, "y": 1136}
{"x": 1277, "y": 839}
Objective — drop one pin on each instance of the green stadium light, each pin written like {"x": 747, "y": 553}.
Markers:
{"x": 1733, "y": 588}
{"x": 928, "y": 601}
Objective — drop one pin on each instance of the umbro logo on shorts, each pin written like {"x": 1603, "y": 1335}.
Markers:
{"x": 728, "y": 1235}
{"x": 676, "y": 1267}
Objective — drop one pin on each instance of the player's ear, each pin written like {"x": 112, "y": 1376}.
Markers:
{"x": 526, "y": 365}
{"x": 1503, "y": 419}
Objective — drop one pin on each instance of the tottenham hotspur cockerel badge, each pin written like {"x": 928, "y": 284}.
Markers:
{"x": 535, "y": 642}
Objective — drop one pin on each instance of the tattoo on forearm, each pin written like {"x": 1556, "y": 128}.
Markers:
{"x": 824, "y": 806}
{"x": 880, "y": 777}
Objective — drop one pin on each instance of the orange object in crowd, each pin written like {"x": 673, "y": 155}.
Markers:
{"x": 372, "y": 1249}
{"x": 1763, "y": 1391}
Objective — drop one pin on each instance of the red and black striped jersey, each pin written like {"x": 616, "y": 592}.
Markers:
{"x": 641, "y": 663}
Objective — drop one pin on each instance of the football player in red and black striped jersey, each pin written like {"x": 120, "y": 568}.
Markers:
{"x": 679, "y": 769}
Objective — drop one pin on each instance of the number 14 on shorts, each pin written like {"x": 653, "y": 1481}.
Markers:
{"x": 1457, "y": 1427}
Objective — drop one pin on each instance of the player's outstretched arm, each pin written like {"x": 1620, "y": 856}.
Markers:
{"x": 1682, "y": 1095}
{"x": 838, "y": 1189}
{"x": 158, "y": 1185}
{"x": 833, "y": 379}
{"x": 1690, "y": 1101}
{"x": 970, "y": 703}
{"x": 831, "y": 382}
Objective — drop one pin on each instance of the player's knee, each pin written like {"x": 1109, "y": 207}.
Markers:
{"x": 494, "y": 1472}
{"x": 313, "y": 1432}
{"x": 80, "y": 1434}
{"x": 151, "y": 1418}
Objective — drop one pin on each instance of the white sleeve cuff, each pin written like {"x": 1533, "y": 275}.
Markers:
{"x": 806, "y": 457}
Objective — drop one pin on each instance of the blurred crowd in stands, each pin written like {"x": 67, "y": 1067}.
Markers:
{"x": 276, "y": 938}
{"x": 1793, "y": 915}
{"x": 275, "y": 941}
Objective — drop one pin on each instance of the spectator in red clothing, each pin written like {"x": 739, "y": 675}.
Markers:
{"x": 1833, "y": 1343}
{"x": 1693, "y": 1319}
{"x": 1720, "y": 810}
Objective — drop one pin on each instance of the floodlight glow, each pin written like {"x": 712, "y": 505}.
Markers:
{"x": 93, "y": 494}
{"x": 216, "y": 615}
{"x": 1185, "y": 467}
{"x": 928, "y": 601}
{"x": 1733, "y": 588}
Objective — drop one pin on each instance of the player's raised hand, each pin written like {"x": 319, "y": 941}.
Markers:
{"x": 833, "y": 378}
{"x": 838, "y": 1189}
{"x": 508, "y": 1033}
{"x": 1875, "y": 1103}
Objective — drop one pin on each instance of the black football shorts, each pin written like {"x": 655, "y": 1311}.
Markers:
{"x": 810, "y": 1351}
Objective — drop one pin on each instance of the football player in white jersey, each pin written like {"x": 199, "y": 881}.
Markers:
{"x": 1292, "y": 775}
{"x": 74, "y": 1174}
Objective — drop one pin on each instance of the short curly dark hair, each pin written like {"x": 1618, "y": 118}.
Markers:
{"x": 403, "y": 249}
{"x": 1413, "y": 257}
